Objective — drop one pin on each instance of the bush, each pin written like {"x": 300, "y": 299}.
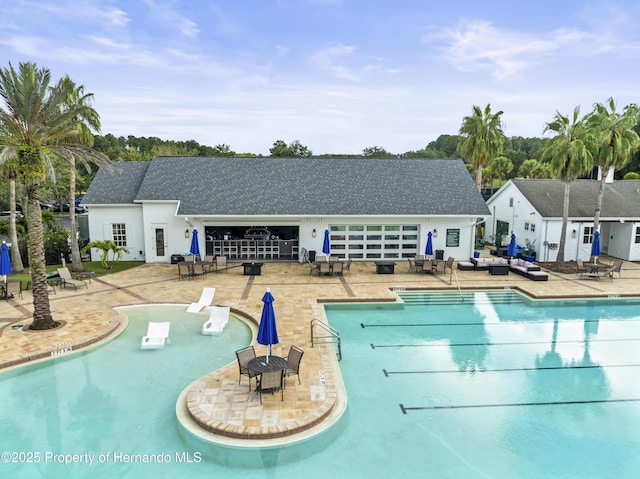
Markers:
{"x": 56, "y": 244}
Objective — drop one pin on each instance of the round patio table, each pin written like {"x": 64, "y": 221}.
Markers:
{"x": 259, "y": 364}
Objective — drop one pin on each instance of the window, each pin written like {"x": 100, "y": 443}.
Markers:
{"x": 587, "y": 235}
{"x": 119, "y": 231}
{"x": 510, "y": 202}
{"x": 533, "y": 227}
{"x": 526, "y": 226}
{"x": 637, "y": 239}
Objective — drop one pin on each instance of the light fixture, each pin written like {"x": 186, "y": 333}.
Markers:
{"x": 435, "y": 233}
{"x": 186, "y": 233}
{"x": 313, "y": 233}
{"x": 574, "y": 233}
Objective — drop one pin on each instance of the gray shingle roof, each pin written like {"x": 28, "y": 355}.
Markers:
{"x": 118, "y": 185}
{"x": 621, "y": 198}
{"x": 312, "y": 186}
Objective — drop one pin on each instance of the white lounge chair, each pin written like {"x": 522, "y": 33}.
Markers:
{"x": 218, "y": 318}
{"x": 205, "y": 300}
{"x": 157, "y": 335}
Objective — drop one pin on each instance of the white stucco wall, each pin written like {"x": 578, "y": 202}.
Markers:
{"x": 102, "y": 217}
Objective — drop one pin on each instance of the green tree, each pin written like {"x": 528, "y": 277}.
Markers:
{"x": 35, "y": 124}
{"x": 107, "y": 247}
{"x": 376, "y": 152}
{"x": 85, "y": 119}
{"x": 569, "y": 158}
{"x": 481, "y": 138}
{"x": 501, "y": 166}
{"x": 294, "y": 149}
{"x": 614, "y": 142}
{"x": 526, "y": 168}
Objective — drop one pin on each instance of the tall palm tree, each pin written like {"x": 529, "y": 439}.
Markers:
{"x": 614, "y": 142}
{"x": 36, "y": 124}
{"x": 481, "y": 138}
{"x": 86, "y": 119}
{"x": 569, "y": 158}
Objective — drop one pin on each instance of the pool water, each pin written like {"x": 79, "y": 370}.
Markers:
{"x": 493, "y": 386}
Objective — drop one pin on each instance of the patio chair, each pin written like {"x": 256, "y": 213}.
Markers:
{"x": 412, "y": 265}
{"x": 617, "y": 265}
{"x": 244, "y": 356}
{"x": 581, "y": 269}
{"x": 205, "y": 300}
{"x": 337, "y": 268}
{"x": 184, "y": 270}
{"x": 325, "y": 268}
{"x": 157, "y": 335}
{"x": 314, "y": 268}
{"x": 209, "y": 262}
{"x": 293, "y": 362}
{"x": 449, "y": 263}
{"x": 13, "y": 288}
{"x": 199, "y": 269}
{"x": 218, "y": 319}
{"x": 65, "y": 276}
{"x": 221, "y": 263}
{"x": 270, "y": 381}
{"x": 347, "y": 266}
{"x": 427, "y": 266}
{"x": 440, "y": 267}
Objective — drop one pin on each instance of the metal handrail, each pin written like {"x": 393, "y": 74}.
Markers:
{"x": 334, "y": 335}
{"x": 459, "y": 289}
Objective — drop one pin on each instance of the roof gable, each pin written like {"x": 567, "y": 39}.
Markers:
{"x": 312, "y": 186}
{"x": 116, "y": 185}
{"x": 621, "y": 198}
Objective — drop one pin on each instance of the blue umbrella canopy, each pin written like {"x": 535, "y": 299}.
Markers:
{"x": 595, "y": 246}
{"x": 429, "y": 249}
{"x": 326, "y": 245}
{"x": 512, "y": 248}
{"x": 195, "y": 246}
{"x": 5, "y": 262}
{"x": 267, "y": 332}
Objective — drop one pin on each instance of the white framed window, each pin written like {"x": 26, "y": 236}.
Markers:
{"x": 533, "y": 227}
{"x": 119, "y": 232}
{"x": 526, "y": 226}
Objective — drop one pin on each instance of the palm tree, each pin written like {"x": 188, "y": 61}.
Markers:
{"x": 36, "y": 124}
{"x": 615, "y": 142}
{"x": 86, "y": 119}
{"x": 569, "y": 157}
{"x": 481, "y": 138}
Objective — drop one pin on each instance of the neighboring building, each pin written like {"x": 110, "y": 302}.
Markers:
{"x": 276, "y": 208}
{"x": 532, "y": 209}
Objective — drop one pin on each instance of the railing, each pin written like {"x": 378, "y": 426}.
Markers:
{"x": 458, "y": 284}
{"x": 333, "y": 337}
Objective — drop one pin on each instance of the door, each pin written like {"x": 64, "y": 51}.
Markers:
{"x": 502, "y": 230}
{"x": 160, "y": 243}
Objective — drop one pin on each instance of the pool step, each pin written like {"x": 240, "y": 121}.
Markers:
{"x": 451, "y": 297}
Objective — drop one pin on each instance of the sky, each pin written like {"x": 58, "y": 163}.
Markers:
{"x": 339, "y": 76}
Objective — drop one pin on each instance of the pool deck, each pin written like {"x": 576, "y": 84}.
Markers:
{"x": 216, "y": 407}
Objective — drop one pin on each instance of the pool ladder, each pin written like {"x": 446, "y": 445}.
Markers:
{"x": 333, "y": 336}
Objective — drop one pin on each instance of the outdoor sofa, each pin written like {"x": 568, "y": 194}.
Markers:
{"x": 527, "y": 269}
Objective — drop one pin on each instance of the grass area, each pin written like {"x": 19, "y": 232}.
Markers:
{"x": 89, "y": 266}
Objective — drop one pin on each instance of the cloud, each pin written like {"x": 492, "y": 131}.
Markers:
{"x": 340, "y": 61}
{"x": 480, "y": 46}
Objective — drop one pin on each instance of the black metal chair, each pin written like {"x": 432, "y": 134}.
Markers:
{"x": 270, "y": 381}
{"x": 244, "y": 356}
{"x": 293, "y": 362}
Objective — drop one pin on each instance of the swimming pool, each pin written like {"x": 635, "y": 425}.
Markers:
{"x": 494, "y": 386}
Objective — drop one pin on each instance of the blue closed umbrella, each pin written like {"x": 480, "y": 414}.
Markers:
{"x": 5, "y": 262}
{"x": 512, "y": 248}
{"x": 326, "y": 245}
{"x": 595, "y": 247}
{"x": 267, "y": 332}
{"x": 195, "y": 247}
{"x": 429, "y": 249}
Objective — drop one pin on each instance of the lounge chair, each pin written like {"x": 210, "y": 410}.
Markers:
{"x": 65, "y": 276}
{"x": 244, "y": 356}
{"x": 205, "y": 300}
{"x": 270, "y": 381}
{"x": 218, "y": 318}
{"x": 293, "y": 362}
{"x": 157, "y": 335}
